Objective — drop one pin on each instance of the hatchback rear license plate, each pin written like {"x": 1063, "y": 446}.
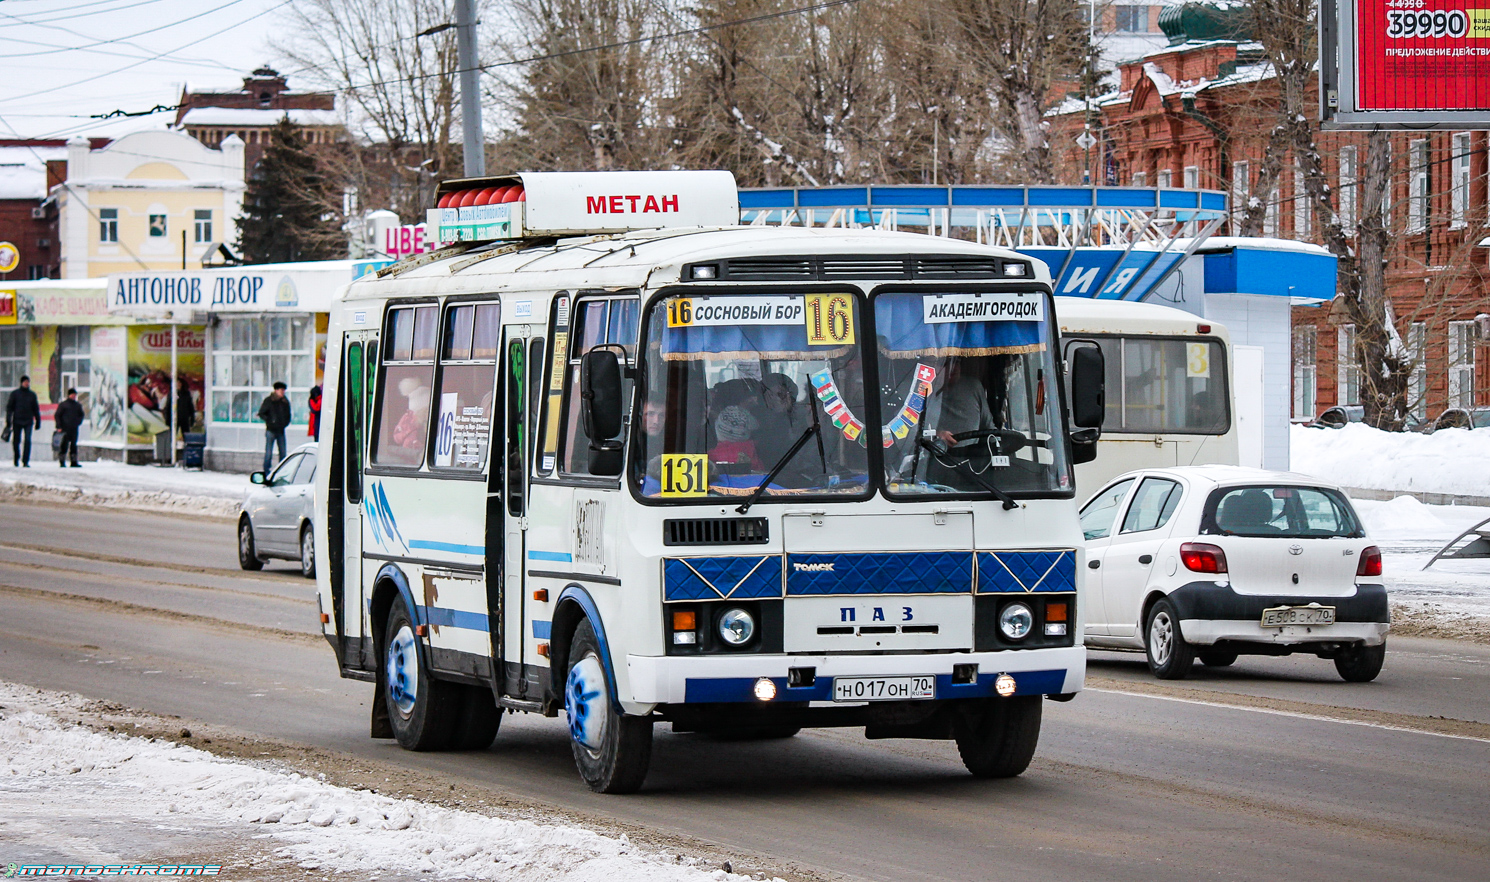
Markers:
{"x": 1278, "y": 616}
{"x": 883, "y": 688}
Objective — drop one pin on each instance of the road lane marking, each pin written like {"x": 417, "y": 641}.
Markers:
{"x": 1296, "y": 714}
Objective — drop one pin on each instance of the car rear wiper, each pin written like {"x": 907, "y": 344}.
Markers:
{"x": 938, "y": 450}
{"x": 780, "y": 464}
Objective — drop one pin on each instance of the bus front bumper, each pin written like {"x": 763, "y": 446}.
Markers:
{"x": 725, "y": 678}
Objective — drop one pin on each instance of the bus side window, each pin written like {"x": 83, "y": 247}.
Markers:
{"x": 404, "y": 393}
{"x": 352, "y": 401}
{"x": 599, "y": 322}
{"x": 468, "y": 374}
{"x": 547, "y": 423}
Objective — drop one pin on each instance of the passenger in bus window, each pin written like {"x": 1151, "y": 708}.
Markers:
{"x": 735, "y": 427}
{"x": 781, "y": 419}
{"x": 1203, "y": 412}
{"x": 408, "y": 432}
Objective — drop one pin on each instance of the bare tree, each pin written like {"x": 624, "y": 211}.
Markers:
{"x": 1021, "y": 49}
{"x": 395, "y": 66}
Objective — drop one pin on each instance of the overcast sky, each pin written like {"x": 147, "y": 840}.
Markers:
{"x": 61, "y": 61}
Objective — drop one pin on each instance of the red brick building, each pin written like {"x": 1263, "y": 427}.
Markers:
{"x": 29, "y": 169}
{"x": 1197, "y": 115}
{"x": 251, "y": 111}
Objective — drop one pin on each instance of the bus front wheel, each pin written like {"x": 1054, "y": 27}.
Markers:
{"x": 422, "y": 710}
{"x": 997, "y": 740}
{"x": 611, "y": 749}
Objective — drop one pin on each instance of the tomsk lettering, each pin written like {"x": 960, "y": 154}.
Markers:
{"x": 629, "y": 204}
{"x": 168, "y": 291}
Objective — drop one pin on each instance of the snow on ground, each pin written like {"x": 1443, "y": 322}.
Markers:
{"x": 60, "y": 784}
{"x": 1409, "y": 534}
{"x": 1447, "y": 461}
{"x": 113, "y": 484}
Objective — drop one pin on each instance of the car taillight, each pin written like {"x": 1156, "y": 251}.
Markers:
{"x": 1202, "y": 558}
{"x": 1370, "y": 562}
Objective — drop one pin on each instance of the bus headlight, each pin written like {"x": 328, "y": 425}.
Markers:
{"x": 736, "y": 627}
{"x": 1016, "y": 620}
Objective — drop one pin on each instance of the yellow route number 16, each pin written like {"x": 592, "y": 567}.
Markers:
{"x": 830, "y": 319}
{"x": 685, "y": 474}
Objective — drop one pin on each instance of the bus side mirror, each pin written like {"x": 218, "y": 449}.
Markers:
{"x": 1088, "y": 399}
{"x": 600, "y": 389}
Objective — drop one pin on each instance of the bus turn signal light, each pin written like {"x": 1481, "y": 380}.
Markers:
{"x": 1201, "y": 557}
{"x": 541, "y": 595}
{"x": 685, "y": 620}
{"x": 1055, "y": 612}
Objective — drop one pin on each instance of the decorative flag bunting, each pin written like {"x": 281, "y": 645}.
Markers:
{"x": 844, "y": 420}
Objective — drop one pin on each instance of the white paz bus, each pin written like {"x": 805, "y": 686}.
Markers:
{"x": 612, "y": 455}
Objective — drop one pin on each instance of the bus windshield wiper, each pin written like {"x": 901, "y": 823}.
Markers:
{"x": 937, "y": 450}
{"x": 780, "y": 464}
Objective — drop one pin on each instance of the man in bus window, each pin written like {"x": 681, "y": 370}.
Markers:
{"x": 960, "y": 404}
{"x": 782, "y": 419}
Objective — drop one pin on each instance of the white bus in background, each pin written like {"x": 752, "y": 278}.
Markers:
{"x": 638, "y": 464}
{"x": 1169, "y": 390}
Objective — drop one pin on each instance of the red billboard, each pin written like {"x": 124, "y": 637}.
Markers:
{"x": 1421, "y": 55}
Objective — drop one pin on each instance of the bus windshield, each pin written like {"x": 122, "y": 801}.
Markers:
{"x": 736, "y": 387}
{"x": 733, "y": 383}
{"x": 969, "y": 396}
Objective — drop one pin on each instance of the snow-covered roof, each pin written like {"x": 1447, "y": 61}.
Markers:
{"x": 23, "y": 171}
{"x": 1262, "y": 243}
{"x": 257, "y": 117}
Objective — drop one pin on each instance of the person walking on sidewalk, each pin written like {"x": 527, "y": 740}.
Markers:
{"x": 69, "y": 419}
{"x": 275, "y": 412}
{"x": 314, "y": 403}
{"x": 22, "y": 414}
{"x": 186, "y": 408}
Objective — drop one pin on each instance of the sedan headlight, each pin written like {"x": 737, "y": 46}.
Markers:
{"x": 736, "y": 627}
{"x": 1016, "y": 620}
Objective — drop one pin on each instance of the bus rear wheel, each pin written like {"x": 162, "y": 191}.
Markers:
{"x": 423, "y": 711}
{"x": 998, "y": 739}
{"x": 611, "y": 749}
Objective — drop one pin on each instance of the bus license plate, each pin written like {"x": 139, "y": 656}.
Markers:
{"x": 1279, "y": 616}
{"x": 883, "y": 688}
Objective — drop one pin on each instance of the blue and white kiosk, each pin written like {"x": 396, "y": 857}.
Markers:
{"x": 1113, "y": 243}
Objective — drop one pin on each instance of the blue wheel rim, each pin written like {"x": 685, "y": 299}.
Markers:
{"x": 403, "y": 671}
{"x": 586, "y": 703}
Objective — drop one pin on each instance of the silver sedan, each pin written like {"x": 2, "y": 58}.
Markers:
{"x": 278, "y": 512}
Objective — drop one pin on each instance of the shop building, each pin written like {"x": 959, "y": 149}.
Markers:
{"x": 260, "y": 325}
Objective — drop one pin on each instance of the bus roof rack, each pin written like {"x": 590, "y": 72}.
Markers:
{"x": 545, "y": 204}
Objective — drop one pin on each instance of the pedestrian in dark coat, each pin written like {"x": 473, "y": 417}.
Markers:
{"x": 275, "y": 412}
{"x": 69, "y": 418}
{"x": 22, "y": 415}
{"x": 186, "y": 408}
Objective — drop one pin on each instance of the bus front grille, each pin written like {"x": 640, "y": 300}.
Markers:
{"x": 714, "y": 531}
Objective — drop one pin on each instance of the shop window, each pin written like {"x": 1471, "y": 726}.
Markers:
{"x": 74, "y": 362}
{"x": 202, "y": 225}
{"x": 249, "y": 355}
{"x": 108, "y": 225}
{"x": 468, "y": 372}
{"x": 597, "y": 322}
{"x": 404, "y": 393}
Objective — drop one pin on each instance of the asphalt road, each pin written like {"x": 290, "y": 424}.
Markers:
{"x": 1270, "y": 770}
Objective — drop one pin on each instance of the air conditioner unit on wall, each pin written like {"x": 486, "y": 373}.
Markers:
{"x": 43, "y": 243}
{"x": 1482, "y": 327}
{"x": 38, "y": 213}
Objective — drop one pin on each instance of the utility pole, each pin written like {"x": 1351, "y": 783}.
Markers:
{"x": 470, "y": 99}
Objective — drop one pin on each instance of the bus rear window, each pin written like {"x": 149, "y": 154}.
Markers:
{"x": 1165, "y": 385}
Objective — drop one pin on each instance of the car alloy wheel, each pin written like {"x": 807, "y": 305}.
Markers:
{"x": 1161, "y": 637}
{"x": 307, "y": 553}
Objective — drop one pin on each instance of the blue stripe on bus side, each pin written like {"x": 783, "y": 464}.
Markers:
{"x": 560, "y": 556}
{"x": 445, "y": 617}
{"x": 446, "y": 546}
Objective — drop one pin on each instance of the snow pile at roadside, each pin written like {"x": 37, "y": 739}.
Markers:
{"x": 1447, "y": 461}
{"x": 1405, "y": 517}
{"x": 115, "y": 485}
{"x": 71, "y": 775}
{"x": 1450, "y": 598}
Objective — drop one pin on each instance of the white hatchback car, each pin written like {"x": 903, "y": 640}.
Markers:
{"x": 1219, "y": 561}
{"x": 278, "y": 512}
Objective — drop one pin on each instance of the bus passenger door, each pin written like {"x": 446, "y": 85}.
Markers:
{"x": 357, "y": 367}
{"x": 516, "y": 465}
